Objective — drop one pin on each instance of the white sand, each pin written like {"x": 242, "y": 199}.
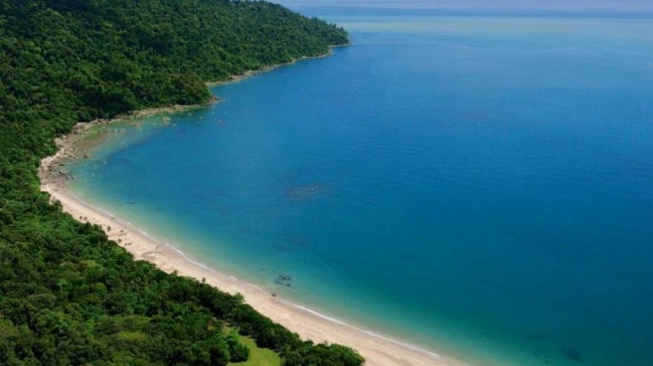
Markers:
{"x": 377, "y": 350}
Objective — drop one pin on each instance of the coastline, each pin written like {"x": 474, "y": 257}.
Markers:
{"x": 250, "y": 73}
{"x": 377, "y": 349}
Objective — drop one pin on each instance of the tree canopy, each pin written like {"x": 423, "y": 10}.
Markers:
{"x": 68, "y": 295}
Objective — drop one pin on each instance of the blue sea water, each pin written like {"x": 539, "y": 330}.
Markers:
{"x": 480, "y": 186}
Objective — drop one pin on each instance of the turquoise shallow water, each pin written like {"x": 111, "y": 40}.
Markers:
{"x": 481, "y": 186}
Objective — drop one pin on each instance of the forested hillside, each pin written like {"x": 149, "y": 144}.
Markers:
{"x": 68, "y": 296}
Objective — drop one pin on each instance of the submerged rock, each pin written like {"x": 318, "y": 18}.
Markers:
{"x": 283, "y": 280}
{"x": 285, "y": 277}
{"x": 572, "y": 354}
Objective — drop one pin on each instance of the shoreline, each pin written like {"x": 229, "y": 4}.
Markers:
{"x": 249, "y": 73}
{"x": 377, "y": 349}
{"x": 77, "y": 143}
{"x": 309, "y": 324}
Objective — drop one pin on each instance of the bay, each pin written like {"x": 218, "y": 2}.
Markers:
{"x": 481, "y": 186}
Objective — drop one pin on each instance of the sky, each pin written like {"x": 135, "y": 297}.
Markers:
{"x": 633, "y": 7}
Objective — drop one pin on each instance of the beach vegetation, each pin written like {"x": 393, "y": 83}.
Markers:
{"x": 69, "y": 295}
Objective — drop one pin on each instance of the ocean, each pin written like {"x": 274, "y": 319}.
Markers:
{"x": 476, "y": 185}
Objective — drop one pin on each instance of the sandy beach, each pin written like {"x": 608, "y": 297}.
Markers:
{"x": 377, "y": 349}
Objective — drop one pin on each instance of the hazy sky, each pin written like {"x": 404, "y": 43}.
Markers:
{"x": 619, "y": 6}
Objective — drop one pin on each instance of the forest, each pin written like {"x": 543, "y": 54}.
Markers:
{"x": 68, "y": 295}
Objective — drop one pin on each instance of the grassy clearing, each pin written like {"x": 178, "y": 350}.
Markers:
{"x": 257, "y": 356}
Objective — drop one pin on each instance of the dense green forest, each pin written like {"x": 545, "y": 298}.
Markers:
{"x": 68, "y": 295}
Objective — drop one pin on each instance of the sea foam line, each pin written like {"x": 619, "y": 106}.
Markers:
{"x": 370, "y": 333}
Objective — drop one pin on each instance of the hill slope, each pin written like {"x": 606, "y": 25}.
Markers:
{"x": 67, "y": 294}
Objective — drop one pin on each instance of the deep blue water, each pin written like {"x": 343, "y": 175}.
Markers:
{"x": 480, "y": 186}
